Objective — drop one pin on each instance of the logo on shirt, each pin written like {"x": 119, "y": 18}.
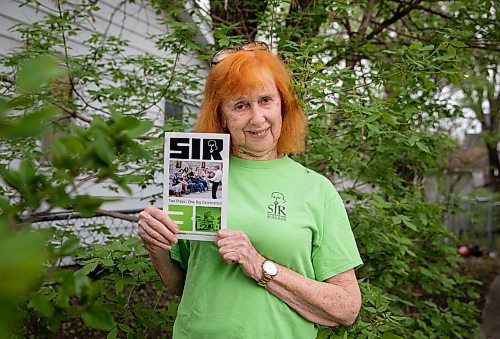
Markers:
{"x": 276, "y": 210}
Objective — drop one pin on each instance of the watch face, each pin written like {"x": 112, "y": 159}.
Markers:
{"x": 270, "y": 268}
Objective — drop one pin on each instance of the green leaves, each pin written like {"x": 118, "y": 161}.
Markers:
{"x": 37, "y": 72}
{"x": 69, "y": 246}
{"x": 42, "y": 304}
{"x": 32, "y": 124}
{"x": 87, "y": 205}
{"x": 22, "y": 256}
{"x": 397, "y": 220}
{"x": 98, "y": 317}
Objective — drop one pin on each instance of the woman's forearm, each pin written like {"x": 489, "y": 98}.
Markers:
{"x": 171, "y": 275}
{"x": 335, "y": 301}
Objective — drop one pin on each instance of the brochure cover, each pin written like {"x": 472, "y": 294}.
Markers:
{"x": 195, "y": 185}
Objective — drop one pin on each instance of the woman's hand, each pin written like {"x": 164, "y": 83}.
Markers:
{"x": 156, "y": 229}
{"x": 158, "y": 233}
{"x": 235, "y": 247}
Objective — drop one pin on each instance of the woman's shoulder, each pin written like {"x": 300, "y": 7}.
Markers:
{"x": 309, "y": 174}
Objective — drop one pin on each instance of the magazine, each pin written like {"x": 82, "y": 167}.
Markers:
{"x": 196, "y": 183}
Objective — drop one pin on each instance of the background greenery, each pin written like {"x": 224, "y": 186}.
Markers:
{"x": 374, "y": 78}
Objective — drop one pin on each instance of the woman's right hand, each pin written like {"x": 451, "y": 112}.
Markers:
{"x": 156, "y": 229}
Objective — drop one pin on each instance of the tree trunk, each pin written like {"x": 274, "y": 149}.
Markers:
{"x": 491, "y": 128}
{"x": 494, "y": 166}
{"x": 245, "y": 13}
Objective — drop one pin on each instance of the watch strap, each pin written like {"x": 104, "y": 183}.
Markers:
{"x": 266, "y": 277}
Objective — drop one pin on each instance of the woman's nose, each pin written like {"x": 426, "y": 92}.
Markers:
{"x": 258, "y": 115}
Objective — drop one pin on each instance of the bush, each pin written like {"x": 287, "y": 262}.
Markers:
{"x": 373, "y": 128}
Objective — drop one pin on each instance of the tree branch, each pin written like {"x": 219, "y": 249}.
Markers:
{"x": 398, "y": 15}
{"x": 367, "y": 16}
{"x": 74, "y": 114}
{"x": 435, "y": 12}
{"x": 5, "y": 78}
{"x": 117, "y": 215}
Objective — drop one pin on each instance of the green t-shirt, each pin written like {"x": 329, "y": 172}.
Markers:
{"x": 292, "y": 216}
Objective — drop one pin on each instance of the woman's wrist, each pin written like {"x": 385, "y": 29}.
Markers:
{"x": 157, "y": 252}
{"x": 257, "y": 267}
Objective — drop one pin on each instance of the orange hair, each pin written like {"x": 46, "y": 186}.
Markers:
{"x": 236, "y": 75}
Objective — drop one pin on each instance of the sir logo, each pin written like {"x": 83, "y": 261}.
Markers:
{"x": 276, "y": 210}
{"x": 195, "y": 149}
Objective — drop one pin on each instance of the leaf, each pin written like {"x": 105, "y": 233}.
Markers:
{"x": 98, "y": 317}
{"x": 451, "y": 51}
{"x": 125, "y": 328}
{"x": 29, "y": 125}
{"x": 27, "y": 171}
{"x": 423, "y": 147}
{"x": 154, "y": 143}
{"x": 21, "y": 263}
{"x": 119, "y": 285}
{"x": 396, "y": 220}
{"x": 103, "y": 149}
{"x": 87, "y": 268}
{"x": 70, "y": 246}
{"x": 457, "y": 43}
{"x": 373, "y": 128}
{"x": 107, "y": 262}
{"x": 81, "y": 283}
{"x": 112, "y": 334}
{"x": 36, "y": 72}
{"x": 371, "y": 309}
{"x": 42, "y": 305}
{"x": 87, "y": 205}
{"x": 324, "y": 333}
{"x": 416, "y": 45}
{"x": 143, "y": 127}
{"x": 409, "y": 224}
{"x": 4, "y": 106}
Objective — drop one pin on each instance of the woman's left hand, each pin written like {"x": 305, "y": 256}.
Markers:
{"x": 235, "y": 247}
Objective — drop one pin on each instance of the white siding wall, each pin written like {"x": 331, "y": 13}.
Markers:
{"x": 136, "y": 23}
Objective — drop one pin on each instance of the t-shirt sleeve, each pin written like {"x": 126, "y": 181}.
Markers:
{"x": 335, "y": 249}
{"x": 180, "y": 253}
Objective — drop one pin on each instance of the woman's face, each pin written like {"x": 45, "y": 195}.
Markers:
{"x": 254, "y": 121}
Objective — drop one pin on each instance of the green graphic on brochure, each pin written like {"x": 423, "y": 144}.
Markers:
{"x": 208, "y": 219}
{"x": 184, "y": 214}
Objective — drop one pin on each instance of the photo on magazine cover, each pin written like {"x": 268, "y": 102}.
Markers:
{"x": 195, "y": 179}
{"x": 208, "y": 219}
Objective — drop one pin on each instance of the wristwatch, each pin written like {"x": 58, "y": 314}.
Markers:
{"x": 269, "y": 271}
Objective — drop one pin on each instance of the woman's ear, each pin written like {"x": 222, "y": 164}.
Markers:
{"x": 223, "y": 121}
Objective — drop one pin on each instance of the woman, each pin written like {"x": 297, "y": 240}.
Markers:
{"x": 286, "y": 262}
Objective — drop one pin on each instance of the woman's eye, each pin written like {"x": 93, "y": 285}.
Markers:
{"x": 266, "y": 100}
{"x": 240, "y": 106}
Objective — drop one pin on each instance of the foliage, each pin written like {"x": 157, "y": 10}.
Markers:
{"x": 372, "y": 78}
{"x": 106, "y": 292}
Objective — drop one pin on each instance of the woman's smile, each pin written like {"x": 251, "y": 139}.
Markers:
{"x": 259, "y": 133}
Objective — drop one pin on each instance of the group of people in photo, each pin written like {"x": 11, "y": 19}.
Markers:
{"x": 189, "y": 180}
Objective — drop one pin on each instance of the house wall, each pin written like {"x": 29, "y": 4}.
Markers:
{"x": 135, "y": 22}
